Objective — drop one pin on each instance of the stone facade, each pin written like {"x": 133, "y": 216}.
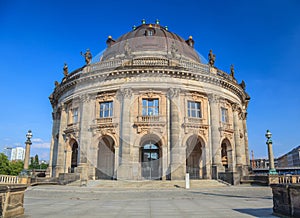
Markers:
{"x": 149, "y": 108}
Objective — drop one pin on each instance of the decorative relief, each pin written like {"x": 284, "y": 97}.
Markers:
{"x": 213, "y": 98}
{"x": 84, "y": 98}
{"x": 173, "y": 93}
{"x": 125, "y": 93}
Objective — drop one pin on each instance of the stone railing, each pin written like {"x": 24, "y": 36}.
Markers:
{"x": 104, "y": 120}
{"x": 285, "y": 179}
{"x": 12, "y": 200}
{"x": 149, "y": 119}
{"x": 6, "y": 179}
{"x": 194, "y": 120}
{"x": 286, "y": 199}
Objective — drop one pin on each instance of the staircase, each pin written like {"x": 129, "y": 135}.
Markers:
{"x": 147, "y": 184}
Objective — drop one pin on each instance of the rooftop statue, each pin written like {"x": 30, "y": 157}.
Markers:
{"x": 88, "y": 56}
{"x": 66, "y": 71}
{"x": 211, "y": 58}
{"x": 232, "y": 71}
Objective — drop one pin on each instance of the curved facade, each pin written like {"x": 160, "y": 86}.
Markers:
{"x": 150, "y": 108}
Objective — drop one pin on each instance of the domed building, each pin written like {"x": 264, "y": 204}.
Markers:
{"x": 149, "y": 108}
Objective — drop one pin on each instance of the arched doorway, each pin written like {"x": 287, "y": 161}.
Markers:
{"x": 74, "y": 156}
{"x": 106, "y": 158}
{"x": 194, "y": 160}
{"x": 226, "y": 154}
{"x": 150, "y": 157}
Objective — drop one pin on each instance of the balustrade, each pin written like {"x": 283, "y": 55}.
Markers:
{"x": 6, "y": 179}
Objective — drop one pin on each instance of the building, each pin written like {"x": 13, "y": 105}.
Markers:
{"x": 290, "y": 159}
{"x": 17, "y": 153}
{"x": 149, "y": 108}
{"x": 7, "y": 152}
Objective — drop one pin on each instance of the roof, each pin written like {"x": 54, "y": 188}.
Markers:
{"x": 151, "y": 40}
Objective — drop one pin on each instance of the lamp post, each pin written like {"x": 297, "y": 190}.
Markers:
{"x": 272, "y": 169}
{"x": 27, "y": 149}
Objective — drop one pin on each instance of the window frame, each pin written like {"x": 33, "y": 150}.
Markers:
{"x": 147, "y": 109}
{"x": 109, "y": 109}
{"x": 193, "y": 111}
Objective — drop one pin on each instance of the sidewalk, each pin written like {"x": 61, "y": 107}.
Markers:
{"x": 68, "y": 201}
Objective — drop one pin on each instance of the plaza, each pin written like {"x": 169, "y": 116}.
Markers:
{"x": 70, "y": 201}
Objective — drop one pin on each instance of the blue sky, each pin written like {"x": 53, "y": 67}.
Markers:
{"x": 261, "y": 38}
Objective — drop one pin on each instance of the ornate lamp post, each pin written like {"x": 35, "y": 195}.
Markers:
{"x": 272, "y": 169}
{"x": 27, "y": 149}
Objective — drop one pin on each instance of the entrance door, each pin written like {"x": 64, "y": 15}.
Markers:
{"x": 193, "y": 153}
{"x": 106, "y": 159}
{"x": 74, "y": 156}
{"x": 150, "y": 161}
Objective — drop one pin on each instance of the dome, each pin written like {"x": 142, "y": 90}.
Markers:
{"x": 150, "y": 40}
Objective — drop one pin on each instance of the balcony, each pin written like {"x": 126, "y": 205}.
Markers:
{"x": 149, "y": 122}
{"x": 227, "y": 127}
{"x": 194, "y": 123}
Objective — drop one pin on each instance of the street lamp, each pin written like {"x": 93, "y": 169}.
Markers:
{"x": 27, "y": 149}
{"x": 272, "y": 169}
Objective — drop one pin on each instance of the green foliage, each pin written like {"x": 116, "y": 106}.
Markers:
{"x": 10, "y": 168}
{"x": 16, "y": 167}
{"x": 4, "y": 165}
{"x": 34, "y": 163}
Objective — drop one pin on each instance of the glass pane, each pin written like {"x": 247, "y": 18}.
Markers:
{"x": 193, "y": 113}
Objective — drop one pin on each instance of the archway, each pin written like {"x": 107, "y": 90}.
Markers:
{"x": 106, "y": 158}
{"x": 226, "y": 154}
{"x": 194, "y": 157}
{"x": 151, "y": 157}
{"x": 74, "y": 156}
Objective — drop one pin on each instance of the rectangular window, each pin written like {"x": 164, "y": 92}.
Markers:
{"x": 224, "y": 114}
{"x": 194, "y": 109}
{"x": 106, "y": 109}
{"x": 150, "y": 107}
{"x": 75, "y": 115}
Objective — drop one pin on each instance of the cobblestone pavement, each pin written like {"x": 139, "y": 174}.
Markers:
{"x": 66, "y": 201}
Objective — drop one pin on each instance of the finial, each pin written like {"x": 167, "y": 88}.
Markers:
{"x": 190, "y": 37}
{"x": 143, "y": 21}
{"x": 109, "y": 37}
{"x": 150, "y": 25}
{"x": 134, "y": 27}
{"x": 166, "y": 28}
{"x": 157, "y": 21}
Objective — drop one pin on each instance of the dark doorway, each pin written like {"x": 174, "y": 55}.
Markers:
{"x": 74, "y": 156}
{"x": 150, "y": 161}
{"x": 106, "y": 158}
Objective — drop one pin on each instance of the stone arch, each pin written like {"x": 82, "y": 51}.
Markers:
{"x": 150, "y": 149}
{"x": 226, "y": 154}
{"x": 71, "y": 156}
{"x": 195, "y": 157}
{"x": 106, "y": 158}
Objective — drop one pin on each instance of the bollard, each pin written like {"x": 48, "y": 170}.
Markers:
{"x": 187, "y": 181}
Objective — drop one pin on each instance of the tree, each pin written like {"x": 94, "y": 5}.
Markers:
{"x": 4, "y": 165}
{"x": 16, "y": 167}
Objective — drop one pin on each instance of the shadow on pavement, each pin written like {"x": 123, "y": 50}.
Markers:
{"x": 257, "y": 212}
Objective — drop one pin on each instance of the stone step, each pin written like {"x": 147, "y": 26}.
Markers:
{"x": 147, "y": 184}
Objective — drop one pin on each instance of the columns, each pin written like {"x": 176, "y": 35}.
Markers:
{"x": 215, "y": 133}
{"x": 27, "y": 154}
{"x": 238, "y": 146}
{"x": 178, "y": 156}
{"x": 59, "y": 168}
{"x": 54, "y": 142}
{"x": 125, "y": 169}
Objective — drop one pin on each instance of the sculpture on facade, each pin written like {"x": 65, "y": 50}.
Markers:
{"x": 232, "y": 71}
{"x": 211, "y": 58}
{"x": 88, "y": 56}
{"x": 66, "y": 70}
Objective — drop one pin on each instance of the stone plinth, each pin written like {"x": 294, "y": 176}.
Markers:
{"x": 286, "y": 199}
{"x": 12, "y": 200}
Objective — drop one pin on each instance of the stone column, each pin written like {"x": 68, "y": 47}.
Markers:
{"x": 27, "y": 154}
{"x": 215, "y": 134}
{"x": 59, "y": 168}
{"x": 244, "y": 119}
{"x": 85, "y": 136}
{"x": 115, "y": 176}
{"x": 178, "y": 152}
{"x": 54, "y": 143}
{"x": 125, "y": 169}
{"x": 238, "y": 146}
